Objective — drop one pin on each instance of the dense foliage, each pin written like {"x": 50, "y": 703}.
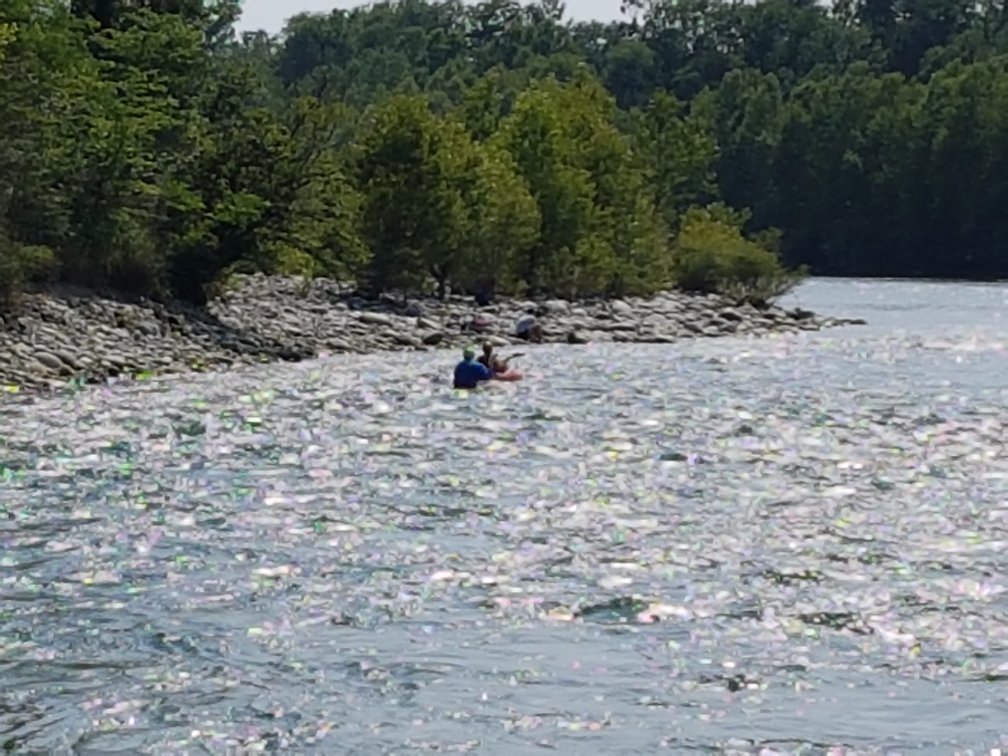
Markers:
{"x": 498, "y": 147}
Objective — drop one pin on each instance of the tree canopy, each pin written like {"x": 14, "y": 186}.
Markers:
{"x": 500, "y": 147}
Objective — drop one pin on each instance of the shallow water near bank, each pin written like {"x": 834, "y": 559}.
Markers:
{"x": 783, "y": 544}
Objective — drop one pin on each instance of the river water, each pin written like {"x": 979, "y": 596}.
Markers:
{"x": 789, "y": 545}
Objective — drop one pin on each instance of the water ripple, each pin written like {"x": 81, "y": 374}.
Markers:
{"x": 739, "y": 547}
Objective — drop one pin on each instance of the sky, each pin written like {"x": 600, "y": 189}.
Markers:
{"x": 270, "y": 15}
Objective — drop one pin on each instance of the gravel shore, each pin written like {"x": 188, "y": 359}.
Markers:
{"x": 52, "y": 339}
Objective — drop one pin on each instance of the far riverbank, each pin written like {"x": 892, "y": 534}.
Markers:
{"x": 54, "y": 338}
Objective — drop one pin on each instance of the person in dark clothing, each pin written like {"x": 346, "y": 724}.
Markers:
{"x": 469, "y": 373}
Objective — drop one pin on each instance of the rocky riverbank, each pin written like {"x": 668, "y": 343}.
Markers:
{"x": 52, "y": 339}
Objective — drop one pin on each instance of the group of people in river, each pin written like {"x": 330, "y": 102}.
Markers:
{"x": 473, "y": 370}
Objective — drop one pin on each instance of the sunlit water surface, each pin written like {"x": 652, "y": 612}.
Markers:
{"x": 779, "y": 545}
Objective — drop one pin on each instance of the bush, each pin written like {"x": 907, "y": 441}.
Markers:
{"x": 712, "y": 255}
{"x": 18, "y": 265}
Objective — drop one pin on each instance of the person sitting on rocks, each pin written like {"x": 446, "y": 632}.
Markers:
{"x": 528, "y": 328}
{"x": 469, "y": 373}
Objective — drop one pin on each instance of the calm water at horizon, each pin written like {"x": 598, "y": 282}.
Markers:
{"x": 785, "y": 545}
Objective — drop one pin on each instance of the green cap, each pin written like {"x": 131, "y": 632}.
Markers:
{"x": 468, "y": 353}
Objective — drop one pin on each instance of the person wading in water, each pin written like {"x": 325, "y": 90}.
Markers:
{"x": 491, "y": 361}
{"x": 469, "y": 373}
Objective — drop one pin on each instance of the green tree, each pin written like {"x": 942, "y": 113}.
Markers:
{"x": 539, "y": 136}
{"x": 680, "y": 154}
{"x": 500, "y": 147}
{"x": 214, "y": 18}
{"x": 713, "y": 255}
{"x": 410, "y": 167}
{"x": 141, "y": 120}
{"x": 504, "y": 222}
{"x": 270, "y": 192}
{"x": 46, "y": 81}
{"x": 600, "y": 228}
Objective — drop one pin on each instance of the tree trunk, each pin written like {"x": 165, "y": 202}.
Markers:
{"x": 440, "y": 275}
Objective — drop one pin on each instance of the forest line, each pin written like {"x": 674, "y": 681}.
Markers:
{"x": 498, "y": 148}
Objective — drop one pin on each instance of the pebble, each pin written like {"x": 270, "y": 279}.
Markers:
{"x": 262, "y": 318}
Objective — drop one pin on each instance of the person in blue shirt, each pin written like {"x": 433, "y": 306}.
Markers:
{"x": 469, "y": 373}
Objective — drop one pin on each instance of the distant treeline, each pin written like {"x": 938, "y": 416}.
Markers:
{"x": 497, "y": 147}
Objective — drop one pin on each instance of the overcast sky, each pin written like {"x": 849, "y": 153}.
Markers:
{"x": 270, "y": 15}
